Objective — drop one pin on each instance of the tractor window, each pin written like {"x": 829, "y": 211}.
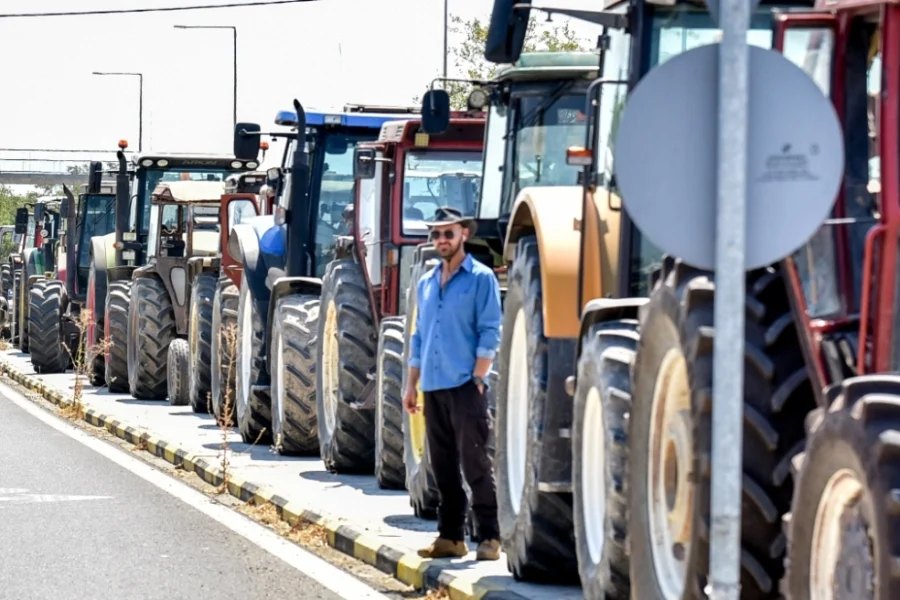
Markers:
{"x": 433, "y": 179}
{"x": 335, "y": 194}
{"x": 99, "y": 219}
{"x": 239, "y": 211}
{"x": 152, "y": 177}
{"x": 491, "y": 196}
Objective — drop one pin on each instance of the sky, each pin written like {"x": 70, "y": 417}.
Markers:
{"x": 324, "y": 53}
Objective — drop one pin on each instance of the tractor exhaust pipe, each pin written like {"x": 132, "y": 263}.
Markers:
{"x": 123, "y": 200}
{"x": 71, "y": 255}
{"x": 300, "y": 214}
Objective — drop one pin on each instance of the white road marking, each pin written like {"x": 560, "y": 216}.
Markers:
{"x": 20, "y": 497}
{"x": 341, "y": 583}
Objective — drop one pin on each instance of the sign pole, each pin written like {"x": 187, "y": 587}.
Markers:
{"x": 728, "y": 354}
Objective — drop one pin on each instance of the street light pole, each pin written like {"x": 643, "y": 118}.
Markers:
{"x": 235, "y": 69}
{"x": 140, "y": 77}
{"x": 446, "y": 30}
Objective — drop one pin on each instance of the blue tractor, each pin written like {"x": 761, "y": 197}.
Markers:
{"x": 286, "y": 254}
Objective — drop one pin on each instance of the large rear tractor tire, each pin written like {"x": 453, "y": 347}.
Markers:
{"x": 5, "y": 278}
{"x": 536, "y": 529}
{"x": 15, "y": 308}
{"x": 420, "y": 483}
{"x": 348, "y": 341}
{"x": 118, "y": 302}
{"x": 203, "y": 291}
{"x": 95, "y": 328}
{"x": 46, "y": 306}
{"x": 669, "y": 436}
{"x": 29, "y": 269}
{"x": 253, "y": 406}
{"x": 178, "y": 373}
{"x": 223, "y": 352}
{"x": 390, "y": 470}
{"x": 600, "y": 458}
{"x": 151, "y": 328}
{"x": 843, "y": 523}
{"x": 294, "y": 425}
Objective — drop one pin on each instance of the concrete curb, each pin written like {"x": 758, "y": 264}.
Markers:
{"x": 404, "y": 566}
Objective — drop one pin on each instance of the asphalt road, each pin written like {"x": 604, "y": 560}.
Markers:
{"x": 75, "y": 525}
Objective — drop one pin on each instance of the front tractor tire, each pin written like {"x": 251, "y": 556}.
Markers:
{"x": 536, "y": 529}
{"x": 254, "y": 405}
{"x": 670, "y": 424}
{"x": 46, "y": 306}
{"x": 151, "y": 328}
{"x": 294, "y": 425}
{"x": 115, "y": 320}
{"x": 600, "y": 458}
{"x": 843, "y": 523}
{"x": 178, "y": 373}
{"x": 95, "y": 329}
{"x": 348, "y": 340}
{"x": 223, "y": 351}
{"x": 203, "y": 291}
{"x": 390, "y": 470}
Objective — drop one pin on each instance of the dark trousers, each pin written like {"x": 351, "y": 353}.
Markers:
{"x": 458, "y": 426}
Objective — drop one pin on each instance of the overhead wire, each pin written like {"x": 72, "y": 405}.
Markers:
{"x": 125, "y": 11}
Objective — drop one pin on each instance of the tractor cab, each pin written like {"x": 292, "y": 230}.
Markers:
{"x": 417, "y": 173}
{"x": 246, "y": 196}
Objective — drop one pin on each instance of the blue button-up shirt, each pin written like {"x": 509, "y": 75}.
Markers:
{"x": 455, "y": 325}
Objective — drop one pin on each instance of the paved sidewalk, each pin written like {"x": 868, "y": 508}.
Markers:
{"x": 374, "y": 525}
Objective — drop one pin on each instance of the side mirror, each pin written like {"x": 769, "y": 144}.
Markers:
{"x": 506, "y": 33}
{"x": 273, "y": 177}
{"x": 95, "y": 177}
{"x": 435, "y": 112}
{"x": 38, "y": 212}
{"x": 246, "y": 141}
{"x": 364, "y": 163}
{"x": 21, "y": 221}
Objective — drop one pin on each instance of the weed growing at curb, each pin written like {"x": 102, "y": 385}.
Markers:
{"x": 224, "y": 420}
{"x": 4, "y": 345}
{"x": 82, "y": 362}
{"x": 301, "y": 531}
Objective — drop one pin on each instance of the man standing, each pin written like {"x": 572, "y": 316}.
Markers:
{"x": 456, "y": 339}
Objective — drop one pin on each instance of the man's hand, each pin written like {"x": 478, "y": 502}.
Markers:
{"x": 411, "y": 400}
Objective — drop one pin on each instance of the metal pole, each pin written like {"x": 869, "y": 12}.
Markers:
{"x": 446, "y": 30}
{"x": 234, "y": 101}
{"x": 728, "y": 355}
{"x": 141, "y": 113}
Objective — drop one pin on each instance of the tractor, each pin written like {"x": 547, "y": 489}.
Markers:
{"x": 116, "y": 255}
{"x": 286, "y": 254}
{"x": 401, "y": 179}
{"x": 55, "y": 305}
{"x": 8, "y": 244}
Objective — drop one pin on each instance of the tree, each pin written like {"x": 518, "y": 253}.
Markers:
{"x": 468, "y": 57}
{"x": 79, "y": 176}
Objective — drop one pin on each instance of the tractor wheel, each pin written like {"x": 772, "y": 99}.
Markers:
{"x": 203, "y": 291}
{"x": 178, "y": 372}
{"x": 841, "y": 530}
{"x": 390, "y": 470}
{"x": 423, "y": 492}
{"x": 536, "y": 529}
{"x": 5, "y": 330}
{"x": 293, "y": 369}
{"x": 348, "y": 340}
{"x": 46, "y": 307}
{"x": 669, "y": 433}
{"x": 5, "y": 279}
{"x": 223, "y": 352}
{"x": 116, "y": 336}
{"x": 151, "y": 329}
{"x": 14, "y": 308}
{"x": 253, "y": 407}
{"x": 29, "y": 269}
{"x": 600, "y": 458}
{"x": 94, "y": 333}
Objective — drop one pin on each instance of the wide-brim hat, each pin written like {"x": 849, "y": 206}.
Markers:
{"x": 447, "y": 215}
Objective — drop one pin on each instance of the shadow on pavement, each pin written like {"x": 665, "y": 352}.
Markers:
{"x": 364, "y": 483}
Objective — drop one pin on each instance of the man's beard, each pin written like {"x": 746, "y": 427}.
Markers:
{"x": 449, "y": 252}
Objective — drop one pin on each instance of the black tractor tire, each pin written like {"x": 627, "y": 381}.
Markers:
{"x": 29, "y": 269}
{"x": 539, "y": 538}
{"x": 115, "y": 372}
{"x": 677, "y": 329}
{"x": 346, "y": 435}
{"x": 178, "y": 372}
{"x": 390, "y": 470}
{"x": 203, "y": 291}
{"x": 293, "y": 368}
{"x": 5, "y": 278}
{"x": 94, "y": 347}
{"x": 14, "y": 308}
{"x": 46, "y": 307}
{"x": 5, "y": 329}
{"x": 853, "y": 440}
{"x": 223, "y": 352}
{"x": 253, "y": 407}
{"x": 420, "y": 483}
{"x": 151, "y": 329}
{"x": 600, "y": 428}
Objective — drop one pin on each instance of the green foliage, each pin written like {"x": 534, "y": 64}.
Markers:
{"x": 468, "y": 57}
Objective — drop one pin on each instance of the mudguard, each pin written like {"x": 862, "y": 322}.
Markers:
{"x": 99, "y": 260}
{"x": 607, "y": 309}
{"x": 285, "y": 286}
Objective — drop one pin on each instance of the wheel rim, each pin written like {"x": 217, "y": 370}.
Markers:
{"x": 593, "y": 475}
{"x": 277, "y": 387}
{"x": 841, "y": 561}
{"x": 330, "y": 385}
{"x": 517, "y": 407}
{"x": 245, "y": 355}
{"x": 669, "y": 475}
{"x": 417, "y": 421}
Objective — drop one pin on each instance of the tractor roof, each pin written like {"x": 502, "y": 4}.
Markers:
{"x": 551, "y": 65}
{"x": 177, "y": 192}
{"x": 197, "y": 161}
{"x": 367, "y": 120}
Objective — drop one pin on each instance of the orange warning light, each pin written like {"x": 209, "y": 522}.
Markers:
{"x": 123, "y": 144}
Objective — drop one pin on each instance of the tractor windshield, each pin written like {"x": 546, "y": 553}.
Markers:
{"x": 432, "y": 179}
{"x": 99, "y": 218}
{"x": 148, "y": 179}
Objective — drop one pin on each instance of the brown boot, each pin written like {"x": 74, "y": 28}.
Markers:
{"x": 488, "y": 550}
{"x": 444, "y": 548}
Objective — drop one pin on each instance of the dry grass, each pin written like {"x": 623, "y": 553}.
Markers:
{"x": 438, "y": 594}
{"x": 82, "y": 361}
{"x": 4, "y": 345}
{"x": 225, "y": 421}
{"x": 301, "y": 532}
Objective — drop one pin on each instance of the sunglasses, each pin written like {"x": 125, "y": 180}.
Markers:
{"x": 447, "y": 235}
